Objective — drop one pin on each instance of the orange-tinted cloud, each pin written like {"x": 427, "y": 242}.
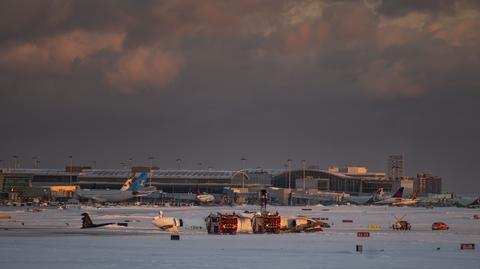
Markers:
{"x": 58, "y": 54}
{"x": 143, "y": 69}
{"x": 458, "y": 33}
{"x": 50, "y": 37}
{"x": 394, "y": 36}
{"x": 344, "y": 26}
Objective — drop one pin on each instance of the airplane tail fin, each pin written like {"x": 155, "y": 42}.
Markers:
{"x": 399, "y": 193}
{"x": 135, "y": 182}
{"x": 139, "y": 182}
{"x": 128, "y": 183}
{"x": 376, "y": 196}
{"x": 86, "y": 221}
{"x": 380, "y": 193}
{"x": 475, "y": 203}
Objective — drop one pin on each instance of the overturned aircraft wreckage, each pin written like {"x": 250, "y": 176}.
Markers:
{"x": 261, "y": 222}
{"x": 170, "y": 224}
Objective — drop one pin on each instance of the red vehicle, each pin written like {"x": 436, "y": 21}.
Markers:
{"x": 222, "y": 224}
{"x": 228, "y": 224}
{"x": 272, "y": 223}
{"x": 439, "y": 226}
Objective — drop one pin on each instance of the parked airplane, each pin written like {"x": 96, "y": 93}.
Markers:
{"x": 367, "y": 200}
{"x": 133, "y": 187}
{"x": 397, "y": 199}
{"x": 375, "y": 197}
{"x": 205, "y": 198}
{"x": 474, "y": 204}
{"x": 406, "y": 201}
{"x": 197, "y": 198}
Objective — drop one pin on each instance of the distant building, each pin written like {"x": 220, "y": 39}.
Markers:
{"x": 353, "y": 170}
{"x": 259, "y": 176}
{"x": 172, "y": 181}
{"x": 427, "y": 183}
{"x": 15, "y": 182}
{"x": 310, "y": 183}
{"x": 360, "y": 172}
{"x": 333, "y": 169}
{"x": 330, "y": 181}
{"x": 395, "y": 167}
{"x": 408, "y": 184}
{"x": 39, "y": 177}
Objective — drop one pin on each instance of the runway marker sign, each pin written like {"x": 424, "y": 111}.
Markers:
{"x": 363, "y": 234}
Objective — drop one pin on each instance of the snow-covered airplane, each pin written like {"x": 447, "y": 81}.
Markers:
{"x": 133, "y": 187}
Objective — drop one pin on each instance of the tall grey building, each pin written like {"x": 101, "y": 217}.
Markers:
{"x": 395, "y": 167}
{"x": 427, "y": 183}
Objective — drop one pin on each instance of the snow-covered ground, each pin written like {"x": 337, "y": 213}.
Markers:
{"x": 52, "y": 239}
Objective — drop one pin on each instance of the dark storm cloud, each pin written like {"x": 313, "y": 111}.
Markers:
{"x": 401, "y": 8}
{"x": 435, "y": 7}
{"x": 27, "y": 20}
{"x": 333, "y": 82}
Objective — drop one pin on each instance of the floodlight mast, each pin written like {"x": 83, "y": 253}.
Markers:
{"x": 263, "y": 202}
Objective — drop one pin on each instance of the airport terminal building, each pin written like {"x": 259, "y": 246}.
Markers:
{"x": 175, "y": 181}
{"x": 172, "y": 181}
{"x": 327, "y": 180}
{"x": 352, "y": 181}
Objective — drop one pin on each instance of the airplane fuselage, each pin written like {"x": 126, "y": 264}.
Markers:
{"x": 105, "y": 195}
{"x": 397, "y": 201}
{"x": 205, "y": 198}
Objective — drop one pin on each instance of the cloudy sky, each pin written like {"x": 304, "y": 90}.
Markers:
{"x": 331, "y": 82}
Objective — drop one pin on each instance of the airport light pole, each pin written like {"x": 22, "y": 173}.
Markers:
{"x": 35, "y": 162}
{"x": 151, "y": 165}
{"x": 304, "y": 168}
{"x": 130, "y": 162}
{"x": 244, "y": 160}
{"x": 15, "y": 161}
{"x": 243, "y": 170}
{"x": 71, "y": 168}
{"x": 179, "y": 163}
{"x": 289, "y": 161}
{"x": 94, "y": 164}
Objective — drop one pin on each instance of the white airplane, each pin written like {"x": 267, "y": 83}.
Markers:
{"x": 367, "y": 200}
{"x": 407, "y": 201}
{"x": 205, "y": 198}
{"x": 133, "y": 187}
{"x": 398, "y": 200}
{"x": 197, "y": 198}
